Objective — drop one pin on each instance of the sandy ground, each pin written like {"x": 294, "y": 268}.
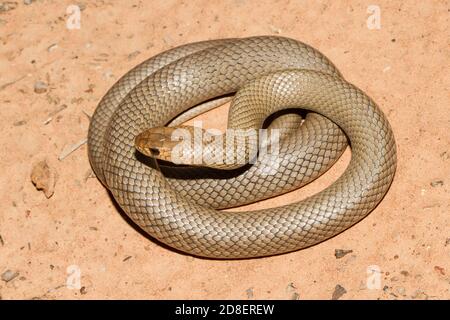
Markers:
{"x": 76, "y": 244}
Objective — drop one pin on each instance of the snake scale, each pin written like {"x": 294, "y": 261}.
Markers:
{"x": 269, "y": 74}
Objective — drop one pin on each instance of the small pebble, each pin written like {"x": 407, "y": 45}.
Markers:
{"x": 339, "y": 253}
{"x": 83, "y": 290}
{"x": 81, "y": 5}
{"x": 108, "y": 74}
{"x": 27, "y": 2}
{"x": 52, "y": 47}
{"x": 339, "y": 291}
{"x": 40, "y": 87}
{"x": 401, "y": 291}
{"x": 439, "y": 270}
{"x": 90, "y": 88}
{"x": 43, "y": 178}
{"x": 9, "y": 275}
{"x": 437, "y": 183}
{"x": 292, "y": 290}
{"x": 447, "y": 242}
{"x": 19, "y": 123}
{"x": 404, "y": 273}
{"x": 249, "y": 293}
{"x": 295, "y": 296}
{"x": 7, "y": 6}
{"x": 420, "y": 295}
{"x": 393, "y": 279}
{"x": 274, "y": 29}
{"x": 291, "y": 287}
{"x": 133, "y": 55}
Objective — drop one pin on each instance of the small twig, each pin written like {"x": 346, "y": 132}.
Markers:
{"x": 89, "y": 174}
{"x": 57, "y": 110}
{"x": 69, "y": 149}
{"x": 53, "y": 113}
{"x": 6, "y": 85}
{"x": 51, "y": 290}
{"x": 87, "y": 115}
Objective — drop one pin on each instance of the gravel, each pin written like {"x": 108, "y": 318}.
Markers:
{"x": 40, "y": 87}
{"x": 437, "y": 183}
{"x": 9, "y": 275}
{"x": 339, "y": 291}
{"x": 7, "y": 6}
{"x": 339, "y": 253}
{"x": 43, "y": 178}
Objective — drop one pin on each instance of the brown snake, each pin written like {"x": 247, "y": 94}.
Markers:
{"x": 269, "y": 74}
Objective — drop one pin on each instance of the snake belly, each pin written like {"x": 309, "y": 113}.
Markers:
{"x": 269, "y": 74}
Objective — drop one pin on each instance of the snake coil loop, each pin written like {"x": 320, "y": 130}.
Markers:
{"x": 269, "y": 74}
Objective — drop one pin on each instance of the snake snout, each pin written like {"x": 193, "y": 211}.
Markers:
{"x": 149, "y": 142}
{"x": 155, "y": 142}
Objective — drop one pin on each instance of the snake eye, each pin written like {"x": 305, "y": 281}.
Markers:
{"x": 154, "y": 151}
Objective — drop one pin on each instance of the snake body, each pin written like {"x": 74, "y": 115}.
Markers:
{"x": 269, "y": 74}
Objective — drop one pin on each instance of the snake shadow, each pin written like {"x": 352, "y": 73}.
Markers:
{"x": 141, "y": 231}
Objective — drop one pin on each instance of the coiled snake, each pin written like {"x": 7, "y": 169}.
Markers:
{"x": 269, "y": 74}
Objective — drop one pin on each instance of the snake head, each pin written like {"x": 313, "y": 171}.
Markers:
{"x": 156, "y": 142}
{"x": 188, "y": 145}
